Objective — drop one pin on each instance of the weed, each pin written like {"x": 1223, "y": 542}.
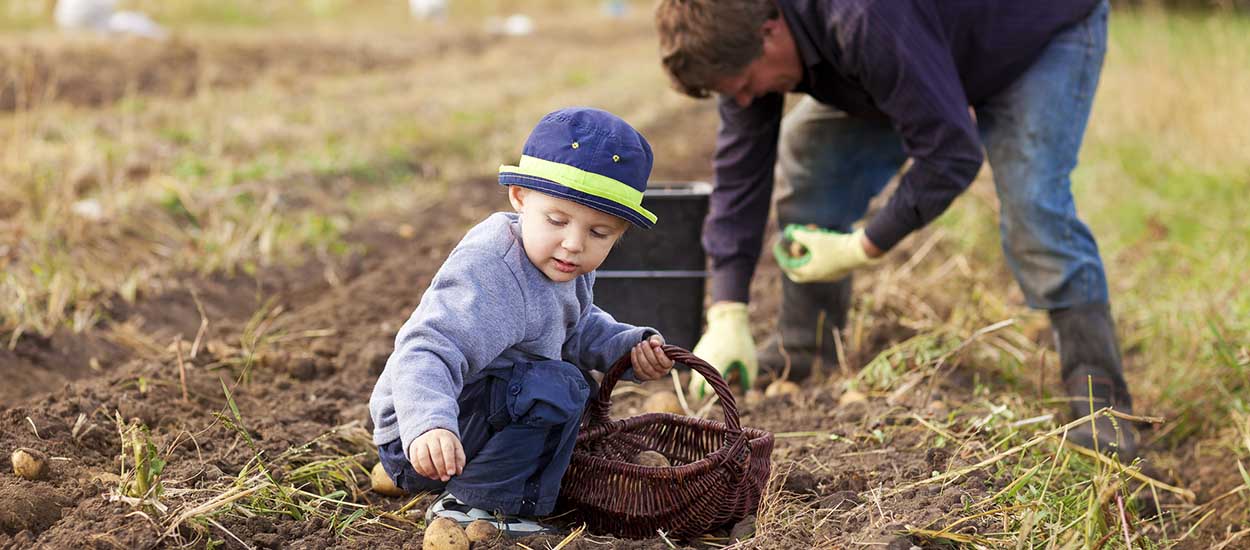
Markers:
{"x": 141, "y": 481}
{"x": 319, "y": 478}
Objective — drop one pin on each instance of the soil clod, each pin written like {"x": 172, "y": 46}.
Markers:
{"x": 24, "y": 509}
{"x": 744, "y": 529}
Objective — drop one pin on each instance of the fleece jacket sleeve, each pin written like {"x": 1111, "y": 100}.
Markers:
{"x": 473, "y": 311}
{"x": 598, "y": 340}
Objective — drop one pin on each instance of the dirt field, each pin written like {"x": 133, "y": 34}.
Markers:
{"x": 252, "y": 389}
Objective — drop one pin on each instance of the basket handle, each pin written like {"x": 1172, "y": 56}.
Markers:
{"x": 599, "y": 407}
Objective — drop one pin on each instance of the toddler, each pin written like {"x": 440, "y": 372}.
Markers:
{"x": 484, "y": 392}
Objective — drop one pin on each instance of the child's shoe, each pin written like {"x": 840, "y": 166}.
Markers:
{"x": 450, "y": 507}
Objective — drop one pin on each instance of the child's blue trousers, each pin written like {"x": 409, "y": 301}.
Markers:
{"x": 518, "y": 427}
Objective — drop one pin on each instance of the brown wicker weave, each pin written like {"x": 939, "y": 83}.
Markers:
{"x": 717, "y": 475}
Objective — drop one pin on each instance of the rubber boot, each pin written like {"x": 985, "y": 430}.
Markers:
{"x": 1089, "y": 355}
{"x": 809, "y": 312}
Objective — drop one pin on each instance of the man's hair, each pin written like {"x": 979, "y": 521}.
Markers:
{"x": 703, "y": 41}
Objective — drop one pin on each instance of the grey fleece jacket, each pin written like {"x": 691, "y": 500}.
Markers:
{"x": 488, "y": 307}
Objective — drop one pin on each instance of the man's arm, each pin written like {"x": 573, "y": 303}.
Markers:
{"x": 733, "y": 234}
{"x": 897, "y": 51}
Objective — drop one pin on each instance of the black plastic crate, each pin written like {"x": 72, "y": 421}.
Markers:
{"x": 656, "y": 277}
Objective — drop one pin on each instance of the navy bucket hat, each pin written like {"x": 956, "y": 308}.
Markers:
{"x": 590, "y": 157}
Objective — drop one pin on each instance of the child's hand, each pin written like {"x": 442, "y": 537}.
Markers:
{"x": 437, "y": 454}
{"x": 650, "y": 362}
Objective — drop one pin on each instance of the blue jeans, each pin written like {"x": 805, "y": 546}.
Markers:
{"x": 518, "y": 427}
{"x": 832, "y": 165}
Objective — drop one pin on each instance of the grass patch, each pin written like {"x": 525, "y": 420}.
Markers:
{"x": 248, "y": 179}
{"x": 321, "y": 478}
{"x": 1162, "y": 184}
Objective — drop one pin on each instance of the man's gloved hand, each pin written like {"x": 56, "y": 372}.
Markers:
{"x": 726, "y": 345}
{"x": 820, "y": 255}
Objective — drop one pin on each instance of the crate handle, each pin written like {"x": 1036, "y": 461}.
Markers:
{"x": 599, "y": 407}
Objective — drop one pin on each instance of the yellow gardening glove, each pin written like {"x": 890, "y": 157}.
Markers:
{"x": 726, "y": 345}
{"x": 826, "y": 256}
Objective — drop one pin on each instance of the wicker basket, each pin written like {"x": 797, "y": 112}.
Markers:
{"x": 718, "y": 474}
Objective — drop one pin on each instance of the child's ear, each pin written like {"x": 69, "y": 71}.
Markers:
{"x": 516, "y": 195}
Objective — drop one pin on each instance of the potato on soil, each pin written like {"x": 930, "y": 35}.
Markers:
{"x": 382, "y": 484}
{"x": 480, "y": 530}
{"x": 781, "y": 387}
{"x": 29, "y": 464}
{"x": 851, "y": 396}
{"x": 663, "y": 402}
{"x": 652, "y": 459}
{"x": 444, "y": 534}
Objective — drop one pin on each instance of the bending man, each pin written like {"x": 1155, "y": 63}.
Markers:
{"x": 888, "y": 81}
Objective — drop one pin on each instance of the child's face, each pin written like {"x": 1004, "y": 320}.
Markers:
{"x": 563, "y": 238}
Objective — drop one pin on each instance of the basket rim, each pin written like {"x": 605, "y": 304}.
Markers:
{"x": 605, "y": 429}
{"x": 600, "y": 405}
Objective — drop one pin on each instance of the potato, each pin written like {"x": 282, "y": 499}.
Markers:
{"x": 30, "y": 464}
{"x": 797, "y": 250}
{"x": 663, "y": 402}
{"x": 382, "y": 484}
{"x": 444, "y": 534}
{"x": 851, "y": 396}
{"x": 481, "y": 530}
{"x": 653, "y": 459}
{"x": 781, "y": 387}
